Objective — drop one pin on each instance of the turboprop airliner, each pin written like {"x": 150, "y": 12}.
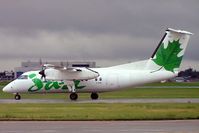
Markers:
{"x": 163, "y": 64}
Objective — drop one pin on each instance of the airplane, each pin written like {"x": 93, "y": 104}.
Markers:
{"x": 162, "y": 65}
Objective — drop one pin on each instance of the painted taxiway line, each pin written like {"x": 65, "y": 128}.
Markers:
{"x": 152, "y": 100}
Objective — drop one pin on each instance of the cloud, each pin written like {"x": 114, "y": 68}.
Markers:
{"x": 93, "y": 29}
{"x": 74, "y": 45}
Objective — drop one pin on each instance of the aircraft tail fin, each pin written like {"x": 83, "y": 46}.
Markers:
{"x": 169, "y": 53}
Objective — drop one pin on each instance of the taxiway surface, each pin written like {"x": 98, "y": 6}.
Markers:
{"x": 145, "y": 100}
{"x": 176, "y": 126}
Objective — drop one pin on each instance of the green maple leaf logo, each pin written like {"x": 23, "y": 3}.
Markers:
{"x": 77, "y": 86}
{"x": 167, "y": 57}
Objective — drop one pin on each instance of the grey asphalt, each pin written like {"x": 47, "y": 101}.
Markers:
{"x": 176, "y": 126}
{"x": 147, "y": 100}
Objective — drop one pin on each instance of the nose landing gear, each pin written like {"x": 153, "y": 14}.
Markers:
{"x": 17, "y": 97}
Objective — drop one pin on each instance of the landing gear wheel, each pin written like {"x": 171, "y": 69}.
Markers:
{"x": 17, "y": 97}
{"x": 73, "y": 96}
{"x": 94, "y": 96}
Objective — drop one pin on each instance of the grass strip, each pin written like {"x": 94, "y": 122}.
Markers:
{"x": 100, "y": 111}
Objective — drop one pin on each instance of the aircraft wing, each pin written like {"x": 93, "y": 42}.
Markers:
{"x": 53, "y": 72}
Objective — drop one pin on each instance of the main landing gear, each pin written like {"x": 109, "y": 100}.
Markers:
{"x": 74, "y": 96}
{"x": 17, "y": 97}
{"x": 72, "y": 90}
{"x": 94, "y": 96}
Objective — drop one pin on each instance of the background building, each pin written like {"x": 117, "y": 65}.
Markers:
{"x": 7, "y": 75}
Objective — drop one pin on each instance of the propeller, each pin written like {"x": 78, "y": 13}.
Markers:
{"x": 42, "y": 72}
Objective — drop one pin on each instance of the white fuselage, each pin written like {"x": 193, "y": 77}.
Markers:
{"x": 109, "y": 79}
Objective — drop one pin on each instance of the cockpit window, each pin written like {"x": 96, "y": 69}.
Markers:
{"x": 23, "y": 77}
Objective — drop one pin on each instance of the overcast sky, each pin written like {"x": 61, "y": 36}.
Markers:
{"x": 106, "y": 31}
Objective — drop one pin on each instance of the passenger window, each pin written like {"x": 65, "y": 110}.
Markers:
{"x": 100, "y": 79}
{"x": 23, "y": 77}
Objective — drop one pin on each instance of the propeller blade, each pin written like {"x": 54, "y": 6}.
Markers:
{"x": 42, "y": 73}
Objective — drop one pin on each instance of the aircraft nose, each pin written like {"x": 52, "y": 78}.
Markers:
{"x": 8, "y": 88}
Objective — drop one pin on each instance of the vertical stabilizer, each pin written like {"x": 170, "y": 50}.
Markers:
{"x": 169, "y": 53}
